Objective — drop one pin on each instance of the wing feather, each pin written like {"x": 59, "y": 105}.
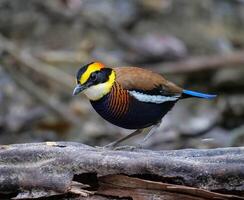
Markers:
{"x": 146, "y": 81}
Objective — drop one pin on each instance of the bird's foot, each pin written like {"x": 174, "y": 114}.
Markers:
{"x": 112, "y": 146}
{"x": 125, "y": 147}
{"x": 139, "y": 146}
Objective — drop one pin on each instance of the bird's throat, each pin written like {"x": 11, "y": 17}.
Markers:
{"x": 98, "y": 91}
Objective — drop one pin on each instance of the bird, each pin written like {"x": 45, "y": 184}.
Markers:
{"x": 130, "y": 97}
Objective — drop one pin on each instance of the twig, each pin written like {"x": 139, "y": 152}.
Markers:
{"x": 45, "y": 70}
{"x": 137, "y": 188}
{"x": 57, "y": 57}
{"x": 50, "y": 101}
{"x": 198, "y": 64}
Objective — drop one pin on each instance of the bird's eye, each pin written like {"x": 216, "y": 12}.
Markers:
{"x": 93, "y": 76}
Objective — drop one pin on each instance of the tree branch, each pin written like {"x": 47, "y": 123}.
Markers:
{"x": 45, "y": 169}
{"x": 201, "y": 63}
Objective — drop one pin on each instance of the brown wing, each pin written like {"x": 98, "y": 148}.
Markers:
{"x": 134, "y": 78}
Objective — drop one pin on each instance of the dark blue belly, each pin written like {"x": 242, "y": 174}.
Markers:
{"x": 139, "y": 114}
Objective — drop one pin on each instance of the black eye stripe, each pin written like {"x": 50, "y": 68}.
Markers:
{"x": 100, "y": 76}
{"x": 93, "y": 76}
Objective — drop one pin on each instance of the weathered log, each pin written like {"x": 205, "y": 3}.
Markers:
{"x": 44, "y": 169}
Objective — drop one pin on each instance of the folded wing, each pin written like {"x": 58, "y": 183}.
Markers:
{"x": 147, "y": 86}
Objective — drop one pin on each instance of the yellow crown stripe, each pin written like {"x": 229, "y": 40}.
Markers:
{"x": 91, "y": 68}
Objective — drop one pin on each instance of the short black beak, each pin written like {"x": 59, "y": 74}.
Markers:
{"x": 78, "y": 89}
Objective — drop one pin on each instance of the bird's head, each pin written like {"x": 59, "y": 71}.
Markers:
{"x": 95, "y": 80}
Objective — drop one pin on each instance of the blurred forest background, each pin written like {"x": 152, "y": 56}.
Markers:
{"x": 197, "y": 44}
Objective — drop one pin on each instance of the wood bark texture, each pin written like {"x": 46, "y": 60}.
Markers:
{"x": 37, "y": 170}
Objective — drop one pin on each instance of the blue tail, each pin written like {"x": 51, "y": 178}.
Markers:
{"x": 189, "y": 93}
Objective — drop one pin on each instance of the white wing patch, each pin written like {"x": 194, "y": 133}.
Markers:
{"x": 153, "y": 98}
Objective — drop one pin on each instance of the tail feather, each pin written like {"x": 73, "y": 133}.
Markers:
{"x": 189, "y": 93}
